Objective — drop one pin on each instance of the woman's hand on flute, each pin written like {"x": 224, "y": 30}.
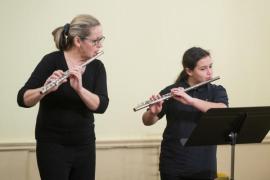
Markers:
{"x": 76, "y": 78}
{"x": 180, "y": 95}
{"x": 157, "y": 107}
{"x": 56, "y": 75}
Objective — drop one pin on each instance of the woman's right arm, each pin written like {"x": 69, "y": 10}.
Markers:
{"x": 30, "y": 97}
{"x": 150, "y": 117}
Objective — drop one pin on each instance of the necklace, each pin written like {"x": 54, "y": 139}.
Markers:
{"x": 72, "y": 65}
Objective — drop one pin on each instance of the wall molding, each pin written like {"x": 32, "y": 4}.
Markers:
{"x": 100, "y": 144}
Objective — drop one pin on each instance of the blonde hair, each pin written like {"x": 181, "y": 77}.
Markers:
{"x": 80, "y": 26}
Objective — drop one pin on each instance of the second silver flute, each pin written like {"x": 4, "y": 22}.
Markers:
{"x": 56, "y": 82}
{"x": 169, "y": 95}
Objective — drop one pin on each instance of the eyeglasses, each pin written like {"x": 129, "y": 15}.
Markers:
{"x": 97, "y": 41}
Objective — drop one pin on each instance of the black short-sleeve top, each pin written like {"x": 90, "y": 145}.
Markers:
{"x": 195, "y": 162}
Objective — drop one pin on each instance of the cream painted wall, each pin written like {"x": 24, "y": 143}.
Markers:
{"x": 144, "y": 44}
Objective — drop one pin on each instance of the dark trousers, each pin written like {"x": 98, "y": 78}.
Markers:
{"x": 164, "y": 176}
{"x": 65, "y": 162}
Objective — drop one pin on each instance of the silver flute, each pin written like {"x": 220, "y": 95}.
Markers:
{"x": 56, "y": 82}
{"x": 169, "y": 95}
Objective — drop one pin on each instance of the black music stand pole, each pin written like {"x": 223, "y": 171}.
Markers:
{"x": 232, "y": 126}
{"x": 233, "y": 137}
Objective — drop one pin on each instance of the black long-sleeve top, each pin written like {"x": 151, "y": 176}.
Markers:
{"x": 62, "y": 116}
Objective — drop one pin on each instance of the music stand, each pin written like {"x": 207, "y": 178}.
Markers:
{"x": 240, "y": 125}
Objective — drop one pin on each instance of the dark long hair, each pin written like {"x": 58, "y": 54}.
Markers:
{"x": 190, "y": 59}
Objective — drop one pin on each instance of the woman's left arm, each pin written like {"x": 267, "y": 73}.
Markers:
{"x": 205, "y": 105}
{"x": 97, "y": 101}
{"x": 220, "y": 99}
{"x": 90, "y": 99}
